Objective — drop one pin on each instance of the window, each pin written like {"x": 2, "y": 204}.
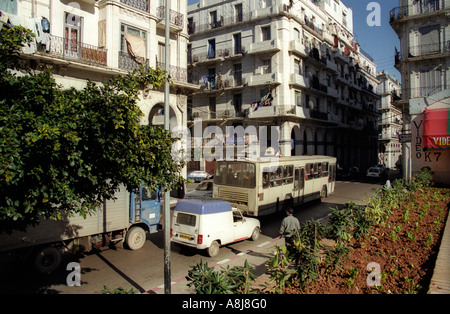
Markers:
{"x": 212, "y": 107}
{"x": 296, "y": 34}
{"x": 237, "y": 44}
{"x": 297, "y": 66}
{"x": 72, "y": 35}
{"x": 238, "y": 13}
{"x": 186, "y": 219}
{"x": 211, "y": 48}
{"x": 267, "y": 67}
{"x": 288, "y": 175}
{"x": 161, "y": 52}
{"x": 265, "y": 3}
{"x": 235, "y": 173}
{"x": 309, "y": 172}
{"x": 133, "y": 41}
{"x": 265, "y": 33}
{"x": 237, "y": 103}
{"x": 298, "y": 98}
{"x": 237, "y": 74}
{"x": 276, "y": 177}
{"x": 9, "y": 6}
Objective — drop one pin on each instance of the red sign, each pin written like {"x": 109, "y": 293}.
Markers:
{"x": 436, "y": 129}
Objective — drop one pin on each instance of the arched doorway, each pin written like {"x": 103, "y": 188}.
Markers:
{"x": 296, "y": 148}
{"x": 156, "y": 116}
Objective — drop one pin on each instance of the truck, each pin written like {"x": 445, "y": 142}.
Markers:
{"x": 208, "y": 224}
{"x": 125, "y": 219}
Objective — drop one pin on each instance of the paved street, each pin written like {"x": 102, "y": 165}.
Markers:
{"x": 143, "y": 269}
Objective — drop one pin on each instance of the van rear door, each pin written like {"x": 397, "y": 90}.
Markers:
{"x": 185, "y": 227}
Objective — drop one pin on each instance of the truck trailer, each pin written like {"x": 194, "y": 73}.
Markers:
{"x": 126, "y": 219}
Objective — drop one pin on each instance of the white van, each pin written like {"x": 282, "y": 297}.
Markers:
{"x": 208, "y": 224}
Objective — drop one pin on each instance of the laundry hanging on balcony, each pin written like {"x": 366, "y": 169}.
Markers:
{"x": 265, "y": 101}
{"x": 136, "y": 48}
{"x": 436, "y": 129}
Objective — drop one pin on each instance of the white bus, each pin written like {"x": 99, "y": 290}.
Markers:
{"x": 262, "y": 187}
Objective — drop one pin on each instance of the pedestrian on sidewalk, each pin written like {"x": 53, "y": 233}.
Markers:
{"x": 289, "y": 225}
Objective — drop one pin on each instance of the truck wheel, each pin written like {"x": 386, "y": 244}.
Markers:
{"x": 135, "y": 238}
{"x": 255, "y": 234}
{"x": 213, "y": 249}
{"x": 47, "y": 260}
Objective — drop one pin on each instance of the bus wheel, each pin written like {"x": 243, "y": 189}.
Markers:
{"x": 213, "y": 249}
{"x": 323, "y": 193}
{"x": 47, "y": 260}
{"x": 135, "y": 238}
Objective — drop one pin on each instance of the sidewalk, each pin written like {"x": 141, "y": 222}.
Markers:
{"x": 440, "y": 282}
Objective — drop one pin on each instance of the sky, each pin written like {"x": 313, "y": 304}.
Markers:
{"x": 378, "y": 41}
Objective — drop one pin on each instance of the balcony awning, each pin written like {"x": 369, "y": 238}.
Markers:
{"x": 436, "y": 129}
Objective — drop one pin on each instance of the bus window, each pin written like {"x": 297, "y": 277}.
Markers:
{"x": 296, "y": 182}
{"x": 325, "y": 169}
{"x": 319, "y": 170}
{"x": 236, "y": 173}
{"x": 276, "y": 177}
{"x": 309, "y": 172}
{"x": 288, "y": 175}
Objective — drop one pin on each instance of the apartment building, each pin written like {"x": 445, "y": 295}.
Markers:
{"x": 390, "y": 124}
{"x": 290, "y": 64}
{"x": 424, "y": 61}
{"x": 100, "y": 39}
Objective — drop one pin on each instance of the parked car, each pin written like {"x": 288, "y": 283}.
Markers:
{"x": 199, "y": 175}
{"x": 208, "y": 224}
{"x": 352, "y": 173}
{"x": 204, "y": 189}
{"x": 374, "y": 172}
{"x": 381, "y": 167}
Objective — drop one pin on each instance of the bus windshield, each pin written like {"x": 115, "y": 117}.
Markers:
{"x": 235, "y": 173}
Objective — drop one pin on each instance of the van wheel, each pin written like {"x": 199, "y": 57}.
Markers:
{"x": 255, "y": 234}
{"x": 213, "y": 249}
{"x": 135, "y": 238}
{"x": 47, "y": 260}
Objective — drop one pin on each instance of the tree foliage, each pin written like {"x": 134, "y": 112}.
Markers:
{"x": 64, "y": 151}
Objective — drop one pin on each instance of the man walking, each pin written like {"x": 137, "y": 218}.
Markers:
{"x": 288, "y": 226}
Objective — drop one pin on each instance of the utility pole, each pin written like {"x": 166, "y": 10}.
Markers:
{"x": 167, "y": 261}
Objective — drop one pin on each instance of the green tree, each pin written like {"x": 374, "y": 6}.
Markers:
{"x": 63, "y": 151}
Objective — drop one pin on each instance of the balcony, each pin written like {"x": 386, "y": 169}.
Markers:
{"x": 340, "y": 55}
{"x": 265, "y": 47}
{"x": 177, "y": 74}
{"x": 176, "y": 19}
{"x": 137, "y": 4}
{"x": 298, "y": 47}
{"x": 217, "y": 55}
{"x": 298, "y": 80}
{"x": 128, "y": 63}
{"x": 265, "y": 79}
{"x": 429, "y": 50}
{"x": 218, "y": 83}
{"x": 63, "y": 48}
{"x": 418, "y": 9}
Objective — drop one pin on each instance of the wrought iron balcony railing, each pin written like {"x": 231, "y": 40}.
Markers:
{"x": 175, "y": 18}
{"x": 64, "y": 48}
{"x": 418, "y": 8}
{"x": 138, "y": 4}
